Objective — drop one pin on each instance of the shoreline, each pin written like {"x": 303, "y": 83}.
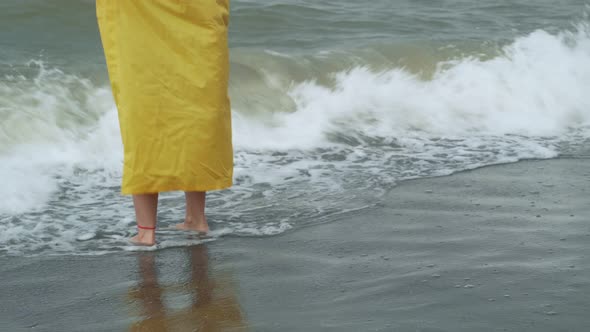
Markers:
{"x": 499, "y": 247}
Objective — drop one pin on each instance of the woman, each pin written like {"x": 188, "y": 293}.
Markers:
{"x": 168, "y": 65}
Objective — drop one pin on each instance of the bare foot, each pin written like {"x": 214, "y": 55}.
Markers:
{"x": 144, "y": 238}
{"x": 196, "y": 226}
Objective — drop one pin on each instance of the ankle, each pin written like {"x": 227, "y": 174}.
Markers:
{"x": 146, "y": 234}
{"x": 195, "y": 220}
{"x": 150, "y": 228}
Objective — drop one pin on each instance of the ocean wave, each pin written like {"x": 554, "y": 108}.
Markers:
{"x": 309, "y": 144}
{"x": 535, "y": 86}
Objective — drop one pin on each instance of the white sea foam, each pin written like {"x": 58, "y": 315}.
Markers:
{"x": 538, "y": 87}
{"x": 60, "y": 150}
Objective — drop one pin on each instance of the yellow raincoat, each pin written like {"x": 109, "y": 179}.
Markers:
{"x": 168, "y": 65}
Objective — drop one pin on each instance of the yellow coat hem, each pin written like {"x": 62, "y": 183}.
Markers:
{"x": 218, "y": 185}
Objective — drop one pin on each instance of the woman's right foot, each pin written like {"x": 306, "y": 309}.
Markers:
{"x": 194, "y": 225}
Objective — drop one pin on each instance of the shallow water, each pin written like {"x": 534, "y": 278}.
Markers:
{"x": 502, "y": 248}
{"x": 333, "y": 104}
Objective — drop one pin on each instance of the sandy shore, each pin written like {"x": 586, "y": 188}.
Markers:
{"x": 502, "y": 248}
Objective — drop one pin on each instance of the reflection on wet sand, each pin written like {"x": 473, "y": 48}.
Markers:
{"x": 213, "y": 304}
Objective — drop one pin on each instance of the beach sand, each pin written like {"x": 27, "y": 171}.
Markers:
{"x": 501, "y": 248}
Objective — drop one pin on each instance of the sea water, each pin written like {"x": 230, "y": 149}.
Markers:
{"x": 333, "y": 103}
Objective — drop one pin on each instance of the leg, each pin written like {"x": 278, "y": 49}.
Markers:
{"x": 146, "y": 209}
{"x": 195, "y": 219}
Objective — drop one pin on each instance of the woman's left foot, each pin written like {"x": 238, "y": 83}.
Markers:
{"x": 144, "y": 237}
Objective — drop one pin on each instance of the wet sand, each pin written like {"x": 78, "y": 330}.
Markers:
{"x": 502, "y": 248}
